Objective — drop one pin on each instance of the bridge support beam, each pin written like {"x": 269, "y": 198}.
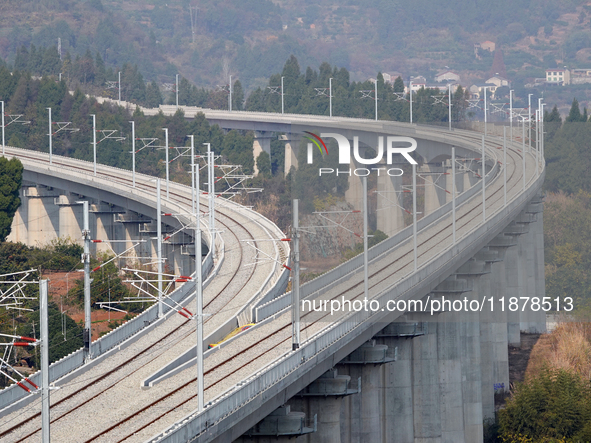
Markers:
{"x": 323, "y": 398}
{"x": 70, "y": 217}
{"x": 362, "y": 412}
{"x": 281, "y": 425}
{"x": 262, "y": 143}
{"x": 435, "y": 187}
{"x": 498, "y": 319}
{"x": 43, "y": 215}
{"x": 389, "y": 214}
{"x": 397, "y": 414}
{"x": 20, "y": 222}
{"x": 449, "y": 351}
{"x": 292, "y": 144}
{"x": 472, "y": 270}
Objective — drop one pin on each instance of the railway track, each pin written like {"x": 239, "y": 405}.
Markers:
{"x": 246, "y": 354}
{"x": 234, "y": 284}
{"x": 279, "y": 337}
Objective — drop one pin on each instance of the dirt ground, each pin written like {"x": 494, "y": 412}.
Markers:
{"x": 59, "y": 284}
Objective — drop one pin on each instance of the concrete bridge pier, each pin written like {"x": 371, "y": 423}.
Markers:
{"x": 71, "y": 218}
{"x": 105, "y": 228}
{"x": 361, "y": 413}
{"x": 354, "y": 194}
{"x": 42, "y": 215}
{"x": 323, "y": 398}
{"x": 397, "y": 410}
{"x": 19, "y": 227}
{"x": 528, "y": 319}
{"x": 449, "y": 351}
{"x": 485, "y": 283}
{"x": 472, "y": 270}
{"x": 535, "y": 265}
{"x": 498, "y": 317}
{"x": 436, "y": 192}
{"x": 262, "y": 143}
{"x": 514, "y": 276}
{"x": 425, "y": 387}
{"x": 281, "y": 425}
{"x": 292, "y": 145}
{"x": 389, "y": 214}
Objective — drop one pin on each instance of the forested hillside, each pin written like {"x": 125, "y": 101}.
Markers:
{"x": 206, "y": 40}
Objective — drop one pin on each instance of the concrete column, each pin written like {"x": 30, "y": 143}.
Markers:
{"x": 283, "y": 424}
{"x": 70, "y": 217}
{"x": 19, "y": 227}
{"x": 536, "y": 207}
{"x": 323, "y": 398}
{"x": 292, "y": 144}
{"x": 435, "y": 187}
{"x": 354, "y": 194}
{"x": 471, "y": 354}
{"x": 485, "y": 284}
{"x": 397, "y": 408}
{"x": 514, "y": 276}
{"x": 449, "y": 351}
{"x": 262, "y": 143}
{"x": 425, "y": 393}
{"x": 502, "y": 243}
{"x": 526, "y": 254}
{"x": 470, "y": 171}
{"x": 43, "y": 221}
{"x": 390, "y": 215}
{"x": 362, "y": 412}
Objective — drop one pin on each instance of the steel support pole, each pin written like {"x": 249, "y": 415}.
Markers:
{"x": 295, "y": 311}
{"x": 529, "y": 118}
{"x": 166, "y": 159}
{"x": 523, "y": 154}
{"x": 282, "y": 105}
{"x": 193, "y": 191}
{"x": 177, "y": 91}
{"x": 50, "y": 138}
{"x": 159, "y": 244}
{"x": 414, "y": 215}
{"x": 376, "y": 97}
{"x": 485, "y": 116}
{"x": 230, "y": 96}
{"x": 86, "y": 259}
{"x": 43, "y": 314}
{"x": 537, "y": 142}
{"x": 198, "y": 291}
{"x": 449, "y": 104}
{"x": 365, "y": 246}
{"x": 3, "y": 126}
{"x": 410, "y": 98}
{"x": 211, "y": 193}
{"x": 483, "y": 182}
{"x": 453, "y": 193}
{"x": 94, "y": 142}
{"x": 133, "y": 152}
{"x": 119, "y": 87}
{"x": 511, "y": 115}
{"x": 329, "y": 100}
{"x": 504, "y": 165}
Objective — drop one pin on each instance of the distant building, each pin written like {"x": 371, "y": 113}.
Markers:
{"x": 447, "y": 76}
{"x": 558, "y": 76}
{"x": 579, "y": 76}
{"x": 499, "y": 81}
{"x": 488, "y": 46}
{"x": 477, "y": 90}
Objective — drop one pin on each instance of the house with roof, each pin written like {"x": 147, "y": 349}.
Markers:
{"x": 557, "y": 76}
{"x": 477, "y": 89}
{"x": 499, "y": 81}
{"x": 447, "y": 76}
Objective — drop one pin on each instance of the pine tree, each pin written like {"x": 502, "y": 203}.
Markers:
{"x": 237, "y": 96}
{"x": 575, "y": 112}
{"x": 11, "y": 175}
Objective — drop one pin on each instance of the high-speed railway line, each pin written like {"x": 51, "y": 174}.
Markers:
{"x": 166, "y": 412}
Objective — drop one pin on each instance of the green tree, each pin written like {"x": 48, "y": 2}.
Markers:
{"x": 237, "y": 96}
{"x": 153, "y": 95}
{"x": 11, "y": 176}
{"x": 574, "y": 115}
